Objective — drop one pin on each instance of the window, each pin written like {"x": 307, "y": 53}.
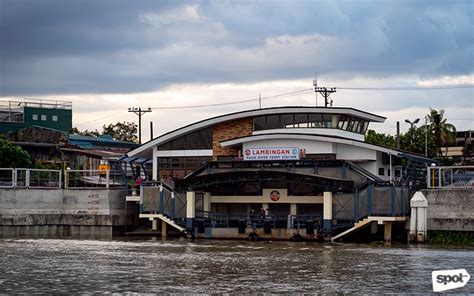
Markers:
{"x": 327, "y": 120}
{"x": 287, "y": 120}
{"x": 259, "y": 123}
{"x": 35, "y": 117}
{"x": 273, "y": 121}
{"x": 381, "y": 171}
{"x": 43, "y": 117}
{"x": 301, "y": 120}
{"x": 315, "y": 120}
{"x": 54, "y": 118}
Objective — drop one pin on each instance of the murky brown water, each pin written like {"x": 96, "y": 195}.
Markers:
{"x": 147, "y": 266}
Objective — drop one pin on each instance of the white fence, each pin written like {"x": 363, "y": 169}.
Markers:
{"x": 30, "y": 178}
{"x": 450, "y": 177}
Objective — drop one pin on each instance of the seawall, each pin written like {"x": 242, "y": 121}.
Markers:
{"x": 450, "y": 210}
{"x": 85, "y": 213}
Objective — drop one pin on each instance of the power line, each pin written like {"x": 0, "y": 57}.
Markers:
{"x": 99, "y": 119}
{"x": 294, "y": 93}
{"x": 398, "y": 88}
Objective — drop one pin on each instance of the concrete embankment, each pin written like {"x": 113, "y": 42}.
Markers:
{"x": 85, "y": 213}
{"x": 450, "y": 210}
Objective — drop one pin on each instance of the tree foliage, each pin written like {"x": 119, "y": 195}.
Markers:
{"x": 444, "y": 133}
{"x": 437, "y": 133}
{"x": 121, "y": 131}
{"x": 13, "y": 156}
{"x": 372, "y": 137}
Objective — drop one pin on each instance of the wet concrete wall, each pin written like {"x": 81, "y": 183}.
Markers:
{"x": 451, "y": 210}
{"x": 85, "y": 213}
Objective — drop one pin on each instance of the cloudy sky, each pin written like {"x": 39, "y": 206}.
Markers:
{"x": 106, "y": 56}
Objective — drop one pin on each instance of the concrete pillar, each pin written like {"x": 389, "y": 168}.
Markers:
{"x": 164, "y": 228}
{"x": 265, "y": 207}
{"x": 387, "y": 231}
{"x": 418, "y": 223}
{"x": 190, "y": 208}
{"x": 327, "y": 212}
{"x": 155, "y": 164}
{"x": 206, "y": 207}
{"x": 154, "y": 224}
{"x": 293, "y": 209}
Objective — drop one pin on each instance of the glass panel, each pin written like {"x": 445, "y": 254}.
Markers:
{"x": 287, "y": 120}
{"x": 205, "y": 138}
{"x": 351, "y": 124}
{"x": 327, "y": 120}
{"x": 192, "y": 140}
{"x": 179, "y": 144}
{"x": 165, "y": 146}
{"x": 366, "y": 125}
{"x": 259, "y": 123}
{"x": 356, "y": 124}
{"x": 273, "y": 121}
{"x": 301, "y": 120}
{"x": 315, "y": 120}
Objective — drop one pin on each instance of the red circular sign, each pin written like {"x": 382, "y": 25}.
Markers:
{"x": 275, "y": 195}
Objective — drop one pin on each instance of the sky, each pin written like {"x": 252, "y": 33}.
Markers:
{"x": 108, "y": 55}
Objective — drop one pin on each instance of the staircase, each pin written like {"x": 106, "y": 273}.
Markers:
{"x": 163, "y": 218}
{"x": 366, "y": 221}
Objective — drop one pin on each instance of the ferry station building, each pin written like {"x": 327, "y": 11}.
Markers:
{"x": 290, "y": 161}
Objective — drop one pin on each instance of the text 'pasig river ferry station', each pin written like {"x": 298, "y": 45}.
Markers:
{"x": 277, "y": 173}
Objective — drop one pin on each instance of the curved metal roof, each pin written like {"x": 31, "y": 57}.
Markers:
{"x": 251, "y": 113}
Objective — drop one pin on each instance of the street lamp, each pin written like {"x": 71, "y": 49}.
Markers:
{"x": 412, "y": 124}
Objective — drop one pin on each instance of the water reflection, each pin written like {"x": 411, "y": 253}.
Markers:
{"x": 147, "y": 266}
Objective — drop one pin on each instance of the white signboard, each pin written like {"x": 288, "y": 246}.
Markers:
{"x": 272, "y": 153}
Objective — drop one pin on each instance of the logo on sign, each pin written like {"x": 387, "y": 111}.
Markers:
{"x": 275, "y": 195}
{"x": 444, "y": 280}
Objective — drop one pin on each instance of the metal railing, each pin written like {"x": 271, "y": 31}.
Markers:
{"x": 30, "y": 178}
{"x": 75, "y": 179}
{"x": 450, "y": 177}
{"x": 7, "y": 178}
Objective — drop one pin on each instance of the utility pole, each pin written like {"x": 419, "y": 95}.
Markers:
{"x": 139, "y": 111}
{"x": 259, "y": 98}
{"x": 315, "y": 85}
{"x": 398, "y": 135}
{"x": 325, "y": 92}
{"x": 426, "y": 136}
{"x": 151, "y": 130}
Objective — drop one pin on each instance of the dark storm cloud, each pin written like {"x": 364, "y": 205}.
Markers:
{"x": 66, "y": 47}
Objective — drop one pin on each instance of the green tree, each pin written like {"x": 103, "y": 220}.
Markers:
{"x": 372, "y": 137}
{"x": 414, "y": 141}
{"x": 121, "y": 131}
{"x": 13, "y": 156}
{"x": 444, "y": 133}
{"x": 88, "y": 133}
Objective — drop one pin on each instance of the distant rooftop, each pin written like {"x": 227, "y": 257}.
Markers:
{"x": 19, "y": 104}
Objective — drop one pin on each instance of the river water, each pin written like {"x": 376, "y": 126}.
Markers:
{"x": 154, "y": 266}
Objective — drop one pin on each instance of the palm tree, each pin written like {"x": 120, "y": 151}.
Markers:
{"x": 444, "y": 133}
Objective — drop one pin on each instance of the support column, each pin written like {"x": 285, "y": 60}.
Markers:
{"x": 293, "y": 209}
{"x": 164, "y": 228}
{"x": 327, "y": 212}
{"x": 387, "y": 231}
{"x": 190, "y": 208}
{"x": 418, "y": 218}
{"x": 155, "y": 164}
{"x": 265, "y": 207}
{"x": 154, "y": 224}
{"x": 206, "y": 207}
